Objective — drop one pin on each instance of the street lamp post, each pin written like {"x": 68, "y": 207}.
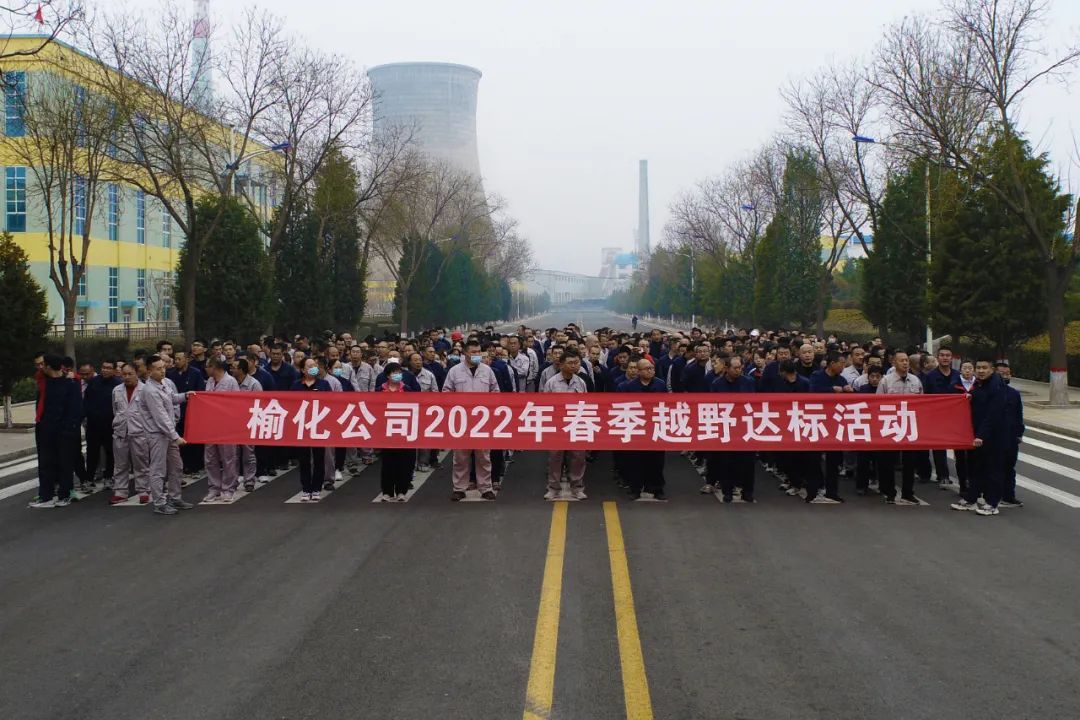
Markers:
{"x": 232, "y": 167}
{"x": 861, "y": 140}
{"x": 693, "y": 297}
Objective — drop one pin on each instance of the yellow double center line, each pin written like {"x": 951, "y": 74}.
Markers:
{"x": 541, "y": 688}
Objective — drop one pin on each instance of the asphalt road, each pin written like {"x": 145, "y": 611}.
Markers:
{"x": 428, "y": 609}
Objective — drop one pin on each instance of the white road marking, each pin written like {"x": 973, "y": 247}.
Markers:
{"x": 18, "y": 488}
{"x": 419, "y": 478}
{"x": 1066, "y": 472}
{"x": 1051, "y": 433}
{"x": 1068, "y": 452}
{"x": 323, "y": 494}
{"x": 1051, "y": 492}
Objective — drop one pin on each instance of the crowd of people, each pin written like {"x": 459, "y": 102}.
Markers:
{"x": 132, "y": 412}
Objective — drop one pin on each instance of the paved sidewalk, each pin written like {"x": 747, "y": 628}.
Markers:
{"x": 18, "y": 442}
{"x": 1038, "y": 414}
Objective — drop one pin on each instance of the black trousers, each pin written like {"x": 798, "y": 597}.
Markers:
{"x": 263, "y": 465}
{"x": 498, "y": 465}
{"x": 312, "y": 468}
{"x": 397, "y": 470}
{"x": 833, "y": 461}
{"x": 865, "y": 465}
{"x": 963, "y": 469}
{"x": 737, "y": 471}
{"x": 794, "y": 465}
{"x": 941, "y": 464}
{"x": 55, "y": 460}
{"x": 987, "y": 476}
{"x": 98, "y": 440}
{"x": 646, "y": 468}
{"x": 887, "y": 462}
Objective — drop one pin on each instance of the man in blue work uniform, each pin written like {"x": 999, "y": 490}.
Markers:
{"x": 991, "y": 426}
{"x": 942, "y": 380}
{"x": 1014, "y": 411}
{"x": 732, "y": 468}
{"x": 827, "y": 380}
{"x": 647, "y": 466}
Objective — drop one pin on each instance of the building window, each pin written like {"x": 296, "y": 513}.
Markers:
{"x": 114, "y": 294}
{"x": 114, "y": 211}
{"x": 166, "y": 297}
{"x": 166, "y": 228}
{"x": 14, "y": 103}
{"x": 82, "y": 283}
{"x": 15, "y": 178}
{"x": 140, "y": 217}
{"x": 140, "y": 294}
{"x": 80, "y": 206}
{"x": 80, "y": 116}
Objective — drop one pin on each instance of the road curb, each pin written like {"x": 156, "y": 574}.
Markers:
{"x": 17, "y": 454}
{"x": 1039, "y": 425}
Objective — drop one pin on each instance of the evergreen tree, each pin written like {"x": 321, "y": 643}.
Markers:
{"x": 987, "y": 274}
{"x": 894, "y": 274}
{"x": 334, "y": 205}
{"x": 300, "y": 282}
{"x": 24, "y": 322}
{"x": 789, "y": 255}
{"x": 235, "y": 279}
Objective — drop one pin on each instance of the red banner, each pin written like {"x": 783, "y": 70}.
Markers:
{"x": 597, "y": 421}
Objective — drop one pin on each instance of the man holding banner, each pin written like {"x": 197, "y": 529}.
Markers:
{"x": 472, "y": 376}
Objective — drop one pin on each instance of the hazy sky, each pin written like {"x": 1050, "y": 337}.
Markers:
{"x": 575, "y": 93}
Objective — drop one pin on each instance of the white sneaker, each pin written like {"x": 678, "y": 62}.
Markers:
{"x": 264, "y": 478}
{"x": 551, "y": 495}
{"x": 578, "y": 494}
{"x": 211, "y": 498}
{"x": 707, "y": 489}
{"x": 986, "y": 510}
{"x": 963, "y": 505}
{"x": 793, "y": 491}
{"x": 386, "y": 498}
{"x": 401, "y": 498}
{"x": 42, "y": 504}
{"x": 316, "y": 497}
{"x": 305, "y": 496}
{"x": 337, "y": 476}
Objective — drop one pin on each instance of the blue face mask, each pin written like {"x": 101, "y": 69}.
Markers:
{"x": 454, "y": 358}
{"x": 338, "y": 372}
{"x": 313, "y": 371}
{"x": 476, "y": 359}
{"x": 396, "y": 377}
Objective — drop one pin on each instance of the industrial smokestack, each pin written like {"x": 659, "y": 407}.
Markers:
{"x": 643, "y": 209}
{"x": 200, "y": 55}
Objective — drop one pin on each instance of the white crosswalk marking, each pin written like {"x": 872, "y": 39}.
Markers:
{"x": 1069, "y": 452}
{"x": 1065, "y": 472}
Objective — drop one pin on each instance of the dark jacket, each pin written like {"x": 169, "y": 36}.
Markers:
{"x": 97, "y": 400}
{"x": 677, "y": 367}
{"x": 801, "y": 385}
{"x": 503, "y": 376}
{"x": 988, "y": 417}
{"x": 741, "y": 384}
{"x": 319, "y": 386}
{"x": 693, "y": 378}
{"x": 61, "y": 413}
{"x": 936, "y": 382}
{"x": 656, "y": 386}
{"x": 284, "y": 377}
{"x": 1014, "y": 411}
{"x": 822, "y": 382}
{"x": 266, "y": 380}
{"x": 436, "y": 369}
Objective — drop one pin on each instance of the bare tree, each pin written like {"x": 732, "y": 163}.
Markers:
{"x": 436, "y": 205}
{"x": 49, "y": 19}
{"x": 67, "y": 149}
{"x": 948, "y": 85}
{"x": 176, "y": 143}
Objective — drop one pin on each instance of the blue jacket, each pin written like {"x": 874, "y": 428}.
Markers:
{"x": 801, "y": 385}
{"x": 266, "y": 380}
{"x": 770, "y": 377}
{"x": 656, "y": 386}
{"x": 677, "y": 367}
{"x": 97, "y": 400}
{"x": 62, "y": 412}
{"x": 437, "y": 369}
{"x": 284, "y": 377}
{"x": 988, "y": 411}
{"x": 503, "y": 376}
{"x": 1014, "y": 411}
{"x": 319, "y": 386}
{"x": 822, "y": 382}
{"x": 693, "y": 378}
{"x": 741, "y": 384}
{"x": 936, "y": 382}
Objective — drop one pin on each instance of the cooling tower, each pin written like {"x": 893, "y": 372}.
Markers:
{"x": 438, "y": 100}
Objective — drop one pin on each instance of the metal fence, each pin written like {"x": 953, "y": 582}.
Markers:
{"x": 131, "y": 331}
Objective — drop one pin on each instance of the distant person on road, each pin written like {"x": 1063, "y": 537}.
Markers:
{"x": 633, "y": 322}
